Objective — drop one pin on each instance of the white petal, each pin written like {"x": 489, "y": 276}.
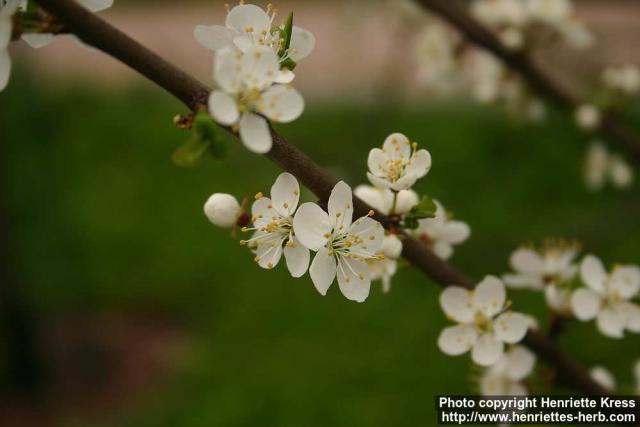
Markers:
{"x": 340, "y": 206}
{"x": 214, "y": 37}
{"x": 397, "y": 146}
{"x": 523, "y": 281}
{"x": 6, "y": 29}
{"x": 520, "y": 363}
{"x": 456, "y": 340}
{"x": 282, "y": 103}
{"x": 442, "y": 249}
{"x": 625, "y": 281}
{"x": 248, "y": 17}
{"x": 323, "y": 270}
{"x": 457, "y": 303}
{"x": 376, "y": 162}
{"x": 455, "y": 232}
{"x": 631, "y": 314}
{"x": 489, "y": 296}
{"x": 593, "y": 273}
{"x": 260, "y": 67}
{"x": 254, "y": 133}
{"x": 585, "y": 304}
{"x": 372, "y": 234}
{"x": 311, "y": 226}
{"x": 285, "y": 194}
{"x": 527, "y": 261}
{"x": 405, "y": 182}
{"x": 405, "y": 201}
{"x": 269, "y": 253}
{"x": 38, "y": 40}
{"x": 378, "y": 182}
{"x": 603, "y": 377}
{"x": 285, "y": 76}
{"x": 511, "y": 327}
{"x": 611, "y": 323}
{"x": 559, "y": 299}
{"x": 223, "y": 108}
{"x": 302, "y": 43}
{"x": 378, "y": 199}
{"x": 487, "y": 350}
{"x": 243, "y": 43}
{"x": 420, "y": 164}
{"x": 5, "y": 68}
{"x": 297, "y": 257}
{"x": 262, "y": 212}
{"x": 227, "y": 70}
{"x": 354, "y": 279}
{"x": 96, "y": 5}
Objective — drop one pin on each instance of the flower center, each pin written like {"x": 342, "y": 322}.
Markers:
{"x": 483, "y": 323}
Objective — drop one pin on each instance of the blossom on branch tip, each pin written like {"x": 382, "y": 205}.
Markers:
{"x": 247, "y": 93}
{"x": 273, "y": 227}
{"x": 382, "y": 199}
{"x": 399, "y": 164}
{"x": 607, "y": 297}
{"x": 441, "y": 233}
{"x": 587, "y": 117}
{"x": 344, "y": 247}
{"x": 504, "y": 378}
{"x": 222, "y": 210}
{"x": 7, "y": 9}
{"x": 248, "y": 25}
{"x": 485, "y": 322}
{"x": 624, "y": 79}
{"x": 39, "y": 39}
{"x": 549, "y": 268}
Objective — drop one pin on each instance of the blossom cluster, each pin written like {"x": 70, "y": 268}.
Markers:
{"x": 354, "y": 252}
{"x": 253, "y": 66}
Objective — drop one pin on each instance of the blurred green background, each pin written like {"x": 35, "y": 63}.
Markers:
{"x": 144, "y": 314}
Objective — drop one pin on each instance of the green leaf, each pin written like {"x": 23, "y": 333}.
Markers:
{"x": 426, "y": 208}
{"x": 288, "y": 63}
{"x": 191, "y": 152}
{"x": 205, "y": 139}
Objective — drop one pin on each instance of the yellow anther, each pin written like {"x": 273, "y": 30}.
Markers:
{"x": 327, "y": 235}
{"x": 257, "y": 259}
{"x": 244, "y": 229}
{"x": 226, "y": 6}
{"x": 270, "y": 265}
{"x": 285, "y": 205}
{"x": 296, "y": 192}
{"x": 372, "y": 237}
{"x": 338, "y": 215}
{"x": 270, "y": 206}
{"x": 249, "y": 29}
{"x": 371, "y": 213}
{"x": 243, "y": 242}
{"x": 259, "y": 195}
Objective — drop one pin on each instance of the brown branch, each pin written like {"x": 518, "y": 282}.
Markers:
{"x": 192, "y": 93}
{"x": 611, "y": 128}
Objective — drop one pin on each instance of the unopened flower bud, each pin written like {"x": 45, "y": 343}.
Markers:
{"x": 391, "y": 246}
{"x": 222, "y": 210}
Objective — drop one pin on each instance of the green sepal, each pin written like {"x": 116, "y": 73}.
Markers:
{"x": 426, "y": 208}
{"x": 205, "y": 139}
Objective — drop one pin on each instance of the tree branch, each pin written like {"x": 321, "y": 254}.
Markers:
{"x": 611, "y": 129}
{"x": 194, "y": 94}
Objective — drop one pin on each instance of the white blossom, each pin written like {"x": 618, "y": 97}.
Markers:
{"x": 7, "y": 9}
{"x": 441, "y": 233}
{"x": 607, "y": 297}
{"x": 587, "y": 117}
{"x": 383, "y": 270}
{"x": 601, "y": 166}
{"x": 624, "y": 79}
{"x": 344, "y": 247}
{"x": 484, "y": 75}
{"x": 391, "y": 246}
{"x": 399, "y": 164}
{"x": 603, "y": 377}
{"x": 247, "y": 26}
{"x": 273, "y": 227}
{"x": 222, "y": 210}
{"x": 247, "y": 89}
{"x": 548, "y": 269}
{"x": 485, "y": 322}
{"x": 38, "y": 40}
{"x": 505, "y": 377}
{"x": 435, "y": 51}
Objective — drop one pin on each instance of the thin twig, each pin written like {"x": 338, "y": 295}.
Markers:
{"x": 610, "y": 128}
{"x": 192, "y": 93}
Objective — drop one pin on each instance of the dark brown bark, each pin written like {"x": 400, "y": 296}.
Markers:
{"x": 192, "y": 93}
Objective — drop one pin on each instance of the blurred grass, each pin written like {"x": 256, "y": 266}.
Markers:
{"x": 101, "y": 220}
